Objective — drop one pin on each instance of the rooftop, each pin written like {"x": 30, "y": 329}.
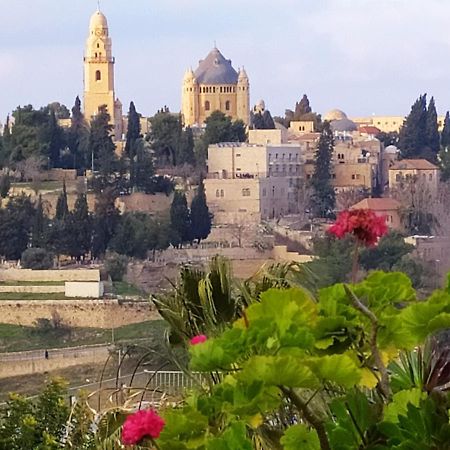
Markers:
{"x": 215, "y": 69}
{"x": 413, "y": 164}
{"x": 377, "y": 204}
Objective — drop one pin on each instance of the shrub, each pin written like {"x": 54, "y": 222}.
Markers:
{"x": 37, "y": 259}
{"x": 116, "y": 266}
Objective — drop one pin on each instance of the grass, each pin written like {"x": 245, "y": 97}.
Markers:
{"x": 35, "y": 296}
{"x": 123, "y": 288}
{"x": 32, "y": 283}
{"x": 15, "y": 338}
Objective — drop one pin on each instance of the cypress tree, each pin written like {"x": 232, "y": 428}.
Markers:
{"x": 56, "y": 141}
{"x": 144, "y": 169}
{"x": 80, "y": 228}
{"x": 323, "y": 199}
{"x": 62, "y": 208}
{"x": 180, "y": 221}
{"x": 200, "y": 215}
{"x": 38, "y": 229}
{"x": 133, "y": 131}
{"x": 413, "y": 138}
{"x": 78, "y": 137}
{"x": 102, "y": 145}
{"x": 445, "y": 135}
{"x": 186, "y": 148}
{"x": 432, "y": 131}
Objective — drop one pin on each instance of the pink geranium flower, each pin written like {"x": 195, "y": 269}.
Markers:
{"x": 141, "y": 424}
{"x": 198, "y": 339}
{"x": 364, "y": 224}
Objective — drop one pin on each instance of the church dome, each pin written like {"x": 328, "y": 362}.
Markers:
{"x": 335, "y": 114}
{"x": 343, "y": 125}
{"x": 98, "y": 20}
{"x": 215, "y": 69}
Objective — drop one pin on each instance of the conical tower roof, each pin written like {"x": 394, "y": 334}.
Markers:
{"x": 216, "y": 69}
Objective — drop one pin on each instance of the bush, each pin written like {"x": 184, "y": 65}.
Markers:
{"x": 37, "y": 259}
{"x": 116, "y": 266}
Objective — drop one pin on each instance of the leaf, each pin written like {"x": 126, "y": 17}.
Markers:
{"x": 279, "y": 370}
{"x": 339, "y": 369}
{"x": 300, "y": 437}
{"x": 399, "y": 404}
{"x": 235, "y": 437}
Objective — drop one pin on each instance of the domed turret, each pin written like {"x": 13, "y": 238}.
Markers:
{"x": 98, "y": 20}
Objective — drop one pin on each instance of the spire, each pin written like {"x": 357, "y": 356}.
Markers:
{"x": 98, "y": 5}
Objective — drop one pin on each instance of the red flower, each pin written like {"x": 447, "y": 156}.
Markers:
{"x": 141, "y": 424}
{"x": 198, "y": 339}
{"x": 364, "y": 224}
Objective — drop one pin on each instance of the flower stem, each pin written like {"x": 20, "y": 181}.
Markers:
{"x": 355, "y": 263}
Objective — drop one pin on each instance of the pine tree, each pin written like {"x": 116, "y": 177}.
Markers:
{"x": 180, "y": 221}
{"x": 200, "y": 215}
{"x": 62, "y": 208}
{"x": 133, "y": 131}
{"x": 432, "y": 131}
{"x": 445, "y": 135}
{"x": 323, "y": 199}
{"x": 413, "y": 137}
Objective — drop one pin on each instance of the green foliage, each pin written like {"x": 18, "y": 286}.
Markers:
{"x": 5, "y": 185}
{"x": 290, "y": 347}
{"x": 133, "y": 131}
{"x": 40, "y": 425}
{"x": 80, "y": 228}
{"x": 37, "y": 259}
{"x": 323, "y": 199}
{"x": 116, "y": 266}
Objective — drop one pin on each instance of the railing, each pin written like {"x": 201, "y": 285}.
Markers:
{"x": 172, "y": 382}
{"x": 100, "y": 59}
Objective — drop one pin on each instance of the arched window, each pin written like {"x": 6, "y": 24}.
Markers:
{"x": 227, "y": 105}
{"x": 98, "y": 75}
{"x": 221, "y": 193}
{"x": 246, "y": 192}
{"x": 217, "y": 193}
{"x": 98, "y": 45}
{"x": 207, "y": 105}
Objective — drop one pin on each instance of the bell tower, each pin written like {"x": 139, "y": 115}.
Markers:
{"x": 99, "y": 73}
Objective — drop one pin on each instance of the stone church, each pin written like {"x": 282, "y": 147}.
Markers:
{"x": 215, "y": 85}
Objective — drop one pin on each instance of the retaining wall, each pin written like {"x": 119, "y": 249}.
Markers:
{"x": 50, "y": 275}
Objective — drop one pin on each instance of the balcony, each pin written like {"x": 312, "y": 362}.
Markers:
{"x": 100, "y": 59}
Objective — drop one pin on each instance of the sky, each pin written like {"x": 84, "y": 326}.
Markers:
{"x": 362, "y": 56}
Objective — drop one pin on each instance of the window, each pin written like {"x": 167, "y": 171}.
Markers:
{"x": 283, "y": 155}
{"x": 221, "y": 193}
{"x": 207, "y": 105}
{"x": 398, "y": 177}
{"x": 98, "y": 75}
{"x": 290, "y": 156}
{"x": 98, "y": 45}
{"x": 237, "y": 155}
{"x": 273, "y": 191}
{"x": 430, "y": 177}
{"x": 353, "y": 176}
{"x": 246, "y": 192}
{"x": 227, "y": 105}
{"x": 217, "y": 193}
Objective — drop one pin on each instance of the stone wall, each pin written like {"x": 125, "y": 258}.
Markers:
{"x": 34, "y": 289}
{"x": 77, "y": 313}
{"x": 26, "y": 363}
{"x": 281, "y": 253}
{"x": 49, "y": 275}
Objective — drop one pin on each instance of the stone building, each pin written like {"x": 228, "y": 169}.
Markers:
{"x": 99, "y": 74}
{"x": 250, "y": 182}
{"x": 414, "y": 170}
{"x": 384, "y": 207}
{"x": 215, "y": 86}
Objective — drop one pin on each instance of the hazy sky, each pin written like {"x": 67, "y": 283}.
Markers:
{"x": 362, "y": 56}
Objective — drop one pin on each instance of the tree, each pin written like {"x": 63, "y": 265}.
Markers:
{"x": 106, "y": 219}
{"x": 390, "y": 138}
{"x": 116, "y": 266}
{"x": 200, "y": 215}
{"x": 165, "y": 136}
{"x": 445, "y": 135}
{"x": 180, "y": 220}
{"x": 55, "y": 139}
{"x": 39, "y": 227}
{"x": 185, "y": 151}
{"x": 62, "y": 207}
{"x": 413, "y": 133}
{"x": 80, "y": 227}
{"x": 37, "y": 259}
{"x": 133, "y": 131}
{"x": 78, "y": 139}
{"x": 432, "y": 131}
{"x": 323, "y": 198}
{"x": 144, "y": 171}
{"x": 301, "y": 108}
{"x": 102, "y": 145}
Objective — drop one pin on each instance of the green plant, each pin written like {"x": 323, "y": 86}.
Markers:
{"x": 116, "y": 266}
{"x": 37, "y": 259}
